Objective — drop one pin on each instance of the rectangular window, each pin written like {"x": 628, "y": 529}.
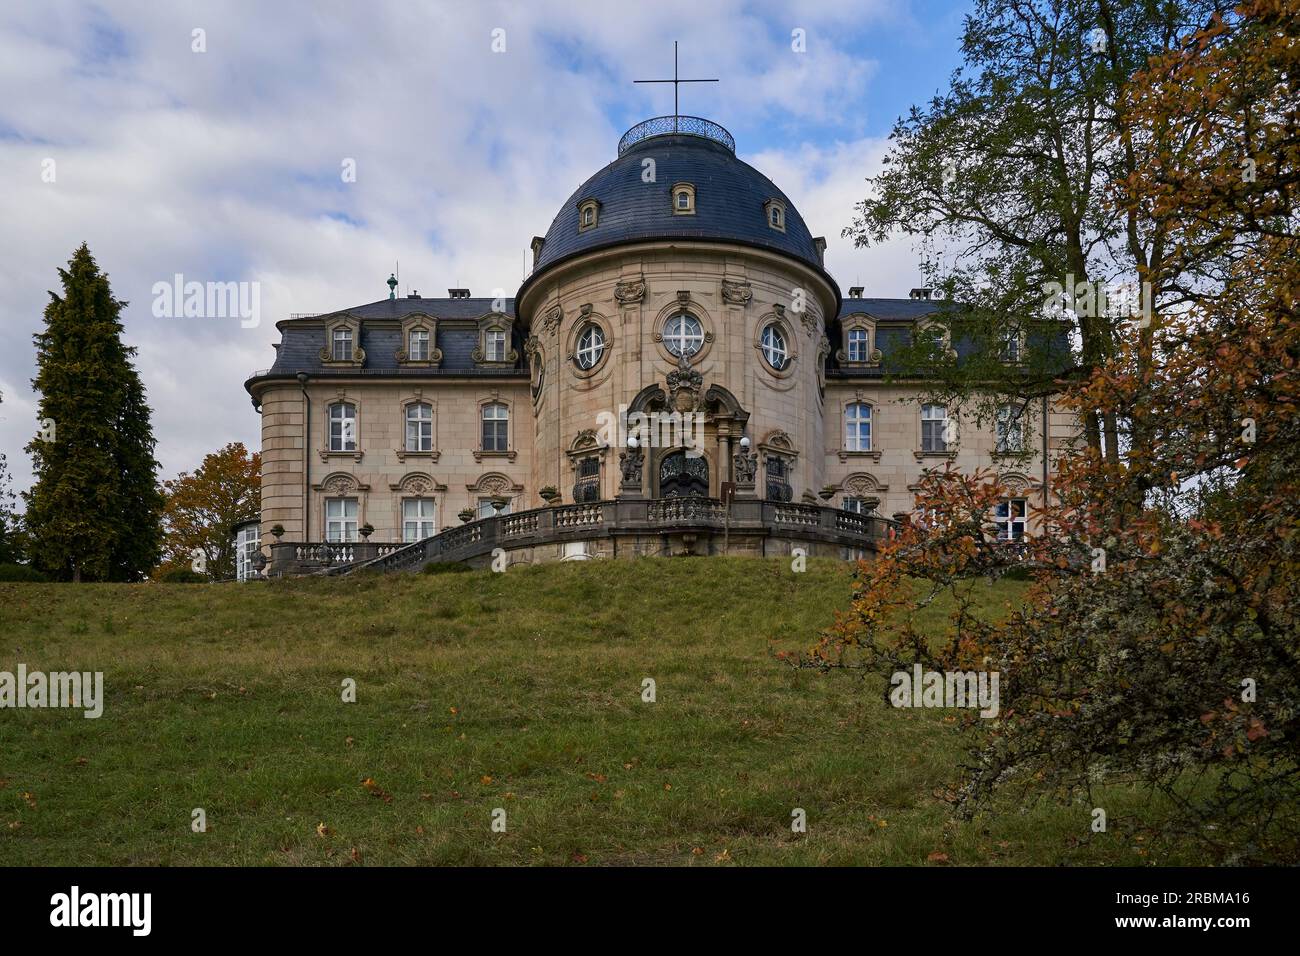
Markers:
{"x": 855, "y": 505}
{"x": 485, "y": 509}
{"x": 340, "y": 520}
{"x": 1011, "y": 346}
{"x": 343, "y": 427}
{"x": 342, "y": 345}
{"x": 778, "y": 480}
{"x": 419, "y": 427}
{"x": 248, "y": 544}
{"x": 418, "y": 519}
{"x": 418, "y": 349}
{"x": 857, "y": 427}
{"x": 1010, "y": 431}
{"x": 587, "y": 487}
{"x": 934, "y": 428}
{"x": 496, "y": 346}
{"x": 1009, "y": 516}
{"x": 857, "y": 345}
{"x": 496, "y": 427}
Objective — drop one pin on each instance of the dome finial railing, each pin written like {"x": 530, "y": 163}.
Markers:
{"x": 681, "y": 125}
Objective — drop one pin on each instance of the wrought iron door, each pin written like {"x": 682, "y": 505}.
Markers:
{"x": 683, "y": 477}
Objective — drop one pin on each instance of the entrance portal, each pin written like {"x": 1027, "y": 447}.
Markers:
{"x": 683, "y": 477}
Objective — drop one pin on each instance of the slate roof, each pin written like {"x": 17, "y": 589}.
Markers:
{"x": 729, "y": 197}
{"x": 301, "y": 340}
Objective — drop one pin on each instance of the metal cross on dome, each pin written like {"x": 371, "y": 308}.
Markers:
{"x": 675, "y": 81}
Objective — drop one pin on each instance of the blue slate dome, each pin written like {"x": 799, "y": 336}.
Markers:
{"x": 729, "y": 197}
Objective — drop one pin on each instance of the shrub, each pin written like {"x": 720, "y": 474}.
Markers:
{"x": 21, "y": 573}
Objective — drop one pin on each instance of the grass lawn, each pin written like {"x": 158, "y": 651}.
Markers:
{"x": 477, "y": 691}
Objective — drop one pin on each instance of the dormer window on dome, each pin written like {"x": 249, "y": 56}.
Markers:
{"x": 774, "y": 212}
{"x": 588, "y": 214}
{"x": 683, "y": 199}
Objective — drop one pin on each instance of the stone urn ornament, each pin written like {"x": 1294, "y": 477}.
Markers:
{"x": 466, "y": 515}
{"x": 366, "y": 530}
{"x": 550, "y": 494}
{"x": 827, "y": 493}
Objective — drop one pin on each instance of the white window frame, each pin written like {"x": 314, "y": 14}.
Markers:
{"x": 854, "y": 505}
{"x": 858, "y": 342}
{"x": 419, "y": 519}
{"x": 591, "y": 346}
{"x": 774, "y": 347}
{"x": 495, "y": 412}
{"x": 1011, "y": 516}
{"x": 342, "y": 337}
{"x": 678, "y": 340}
{"x": 247, "y": 544}
{"x": 341, "y": 520}
{"x": 854, "y": 420}
{"x": 419, "y": 426}
{"x": 495, "y": 345}
{"x": 343, "y": 428}
{"x": 934, "y": 438}
{"x": 1009, "y": 431}
{"x": 417, "y": 345}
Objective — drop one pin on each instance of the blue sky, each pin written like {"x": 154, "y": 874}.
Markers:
{"x": 224, "y": 164}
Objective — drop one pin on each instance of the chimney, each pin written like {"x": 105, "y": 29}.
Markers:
{"x": 855, "y": 291}
{"x": 458, "y": 293}
{"x": 919, "y": 294}
{"x": 538, "y": 242}
{"x": 414, "y": 294}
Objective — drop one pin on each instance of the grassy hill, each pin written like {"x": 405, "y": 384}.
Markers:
{"x": 478, "y": 691}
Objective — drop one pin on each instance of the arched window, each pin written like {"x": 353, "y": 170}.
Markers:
{"x": 773, "y": 347}
{"x": 591, "y": 346}
{"x": 343, "y": 427}
{"x": 496, "y": 427}
{"x": 683, "y": 334}
{"x": 857, "y": 427}
{"x": 419, "y": 427}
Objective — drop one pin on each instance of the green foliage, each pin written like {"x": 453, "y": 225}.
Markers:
{"x": 93, "y": 512}
{"x": 446, "y": 567}
{"x": 203, "y": 509}
{"x": 20, "y": 573}
{"x": 180, "y": 575}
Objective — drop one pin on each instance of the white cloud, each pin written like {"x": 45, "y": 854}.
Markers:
{"x": 225, "y": 165}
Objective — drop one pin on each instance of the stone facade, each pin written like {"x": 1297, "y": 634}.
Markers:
{"x": 582, "y": 357}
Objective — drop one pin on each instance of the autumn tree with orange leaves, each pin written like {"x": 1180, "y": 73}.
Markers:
{"x": 204, "y": 508}
{"x": 1160, "y": 640}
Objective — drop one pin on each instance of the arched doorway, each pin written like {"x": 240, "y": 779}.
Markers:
{"x": 681, "y": 476}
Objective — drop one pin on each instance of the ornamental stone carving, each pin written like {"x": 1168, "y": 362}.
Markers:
{"x": 630, "y": 464}
{"x": 630, "y": 292}
{"x": 551, "y": 319}
{"x": 685, "y": 386}
{"x": 745, "y": 467}
{"x": 737, "y": 292}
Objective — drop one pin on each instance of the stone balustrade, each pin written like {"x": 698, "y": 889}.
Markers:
{"x": 621, "y": 527}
